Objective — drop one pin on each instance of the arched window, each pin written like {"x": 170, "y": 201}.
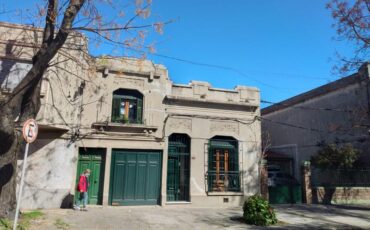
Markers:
{"x": 127, "y": 106}
{"x": 223, "y": 165}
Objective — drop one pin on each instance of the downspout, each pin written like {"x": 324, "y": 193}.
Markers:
{"x": 365, "y": 70}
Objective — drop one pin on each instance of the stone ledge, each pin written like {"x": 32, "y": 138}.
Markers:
{"x": 118, "y": 127}
{"x": 249, "y": 106}
{"x": 225, "y": 194}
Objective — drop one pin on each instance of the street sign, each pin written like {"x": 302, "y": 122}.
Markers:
{"x": 30, "y": 130}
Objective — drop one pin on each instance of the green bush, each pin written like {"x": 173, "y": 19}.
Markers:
{"x": 335, "y": 156}
{"x": 258, "y": 211}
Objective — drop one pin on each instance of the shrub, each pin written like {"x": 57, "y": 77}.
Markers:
{"x": 258, "y": 211}
{"x": 334, "y": 156}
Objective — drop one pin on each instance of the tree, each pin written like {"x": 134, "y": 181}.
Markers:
{"x": 61, "y": 20}
{"x": 352, "y": 23}
{"x": 331, "y": 156}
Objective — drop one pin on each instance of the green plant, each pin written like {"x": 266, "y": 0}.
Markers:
{"x": 5, "y": 223}
{"x": 258, "y": 211}
{"x": 125, "y": 119}
{"x": 333, "y": 156}
{"x": 32, "y": 215}
{"x": 24, "y": 222}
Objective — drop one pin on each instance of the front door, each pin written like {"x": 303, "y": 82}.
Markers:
{"x": 178, "y": 168}
{"x": 93, "y": 159}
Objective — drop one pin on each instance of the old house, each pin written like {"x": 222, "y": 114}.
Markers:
{"x": 146, "y": 139}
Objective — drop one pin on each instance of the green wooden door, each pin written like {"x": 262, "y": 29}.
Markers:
{"x": 135, "y": 177}
{"x": 93, "y": 159}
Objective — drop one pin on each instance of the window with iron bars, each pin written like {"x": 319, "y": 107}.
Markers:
{"x": 223, "y": 165}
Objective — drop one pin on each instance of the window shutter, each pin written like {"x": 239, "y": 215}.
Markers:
{"x": 139, "y": 113}
{"x": 115, "y": 109}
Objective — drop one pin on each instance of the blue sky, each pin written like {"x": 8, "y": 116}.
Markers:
{"x": 283, "y": 47}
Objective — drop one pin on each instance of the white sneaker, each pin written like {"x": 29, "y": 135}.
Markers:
{"x": 76, "y": 208}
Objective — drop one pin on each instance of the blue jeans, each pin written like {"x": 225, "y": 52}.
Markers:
{"x": 83, "y": 197}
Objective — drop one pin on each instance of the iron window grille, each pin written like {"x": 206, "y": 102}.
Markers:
{"x": 223, "y": 165}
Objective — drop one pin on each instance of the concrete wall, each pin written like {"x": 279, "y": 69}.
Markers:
{"x": 51, "y": 169}
{"x": 335, "y": 115}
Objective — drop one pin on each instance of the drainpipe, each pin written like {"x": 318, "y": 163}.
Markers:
{"x": 364, "y": 69}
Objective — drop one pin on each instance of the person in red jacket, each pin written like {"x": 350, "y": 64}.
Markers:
{"x": 82, "y": 188}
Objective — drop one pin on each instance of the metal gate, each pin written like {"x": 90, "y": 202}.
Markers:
{"x": 178, "y": 168}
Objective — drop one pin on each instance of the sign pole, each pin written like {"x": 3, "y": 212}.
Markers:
{"x": 21, "y": 187}
{"x": 30, "y": 130}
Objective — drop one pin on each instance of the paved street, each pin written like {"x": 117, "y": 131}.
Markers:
{"x": 186, "y": 217}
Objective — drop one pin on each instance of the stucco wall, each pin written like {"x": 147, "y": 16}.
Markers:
{"x": 60, "y": 97}
{"x": 51, "y": 169}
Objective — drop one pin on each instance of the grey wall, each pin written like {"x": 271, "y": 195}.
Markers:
{"x": 346, "y": 121}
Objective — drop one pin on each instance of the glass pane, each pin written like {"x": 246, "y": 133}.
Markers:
{"x": 125, "y": 106}
{"x": 223, "y": 165}
{"x": 132, "y": 111}
{"x": 122, "y": 108}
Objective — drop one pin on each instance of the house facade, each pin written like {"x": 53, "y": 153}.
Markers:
{"x": 337, "y": 112}
{"x": 147, "y": 140}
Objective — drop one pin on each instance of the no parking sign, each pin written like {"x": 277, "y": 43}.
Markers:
{"x": 30, "y": 131}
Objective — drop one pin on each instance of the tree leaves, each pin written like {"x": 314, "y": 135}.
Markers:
{"x": 352, "y": 23}
{"x": 335, "y": 157}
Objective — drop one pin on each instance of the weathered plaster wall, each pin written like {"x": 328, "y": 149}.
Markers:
{"x": 149, "y": 79}
{"x": 60, "y": 97}
{"x": 52, "y": 162}
{"x": 51, "y": 169}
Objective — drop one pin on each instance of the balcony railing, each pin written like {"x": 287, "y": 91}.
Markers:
{"x": 223, "y": 181}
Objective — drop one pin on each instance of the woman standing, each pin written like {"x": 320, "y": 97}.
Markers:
{"x": 82, "y": 188}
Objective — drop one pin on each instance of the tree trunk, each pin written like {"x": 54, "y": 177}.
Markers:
{"x": 8, "y": 163}
{"x": 24, "y": 102}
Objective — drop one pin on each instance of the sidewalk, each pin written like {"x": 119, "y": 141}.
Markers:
{"x": 323, "y": 216}
{"x": 187, "y": 217}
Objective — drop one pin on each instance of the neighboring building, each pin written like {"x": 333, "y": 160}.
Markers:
{"x": 337, "y": 112}
{"x": 146, "y": 139}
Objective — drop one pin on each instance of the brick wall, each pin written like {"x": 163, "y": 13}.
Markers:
{"x": 338, "y": 195}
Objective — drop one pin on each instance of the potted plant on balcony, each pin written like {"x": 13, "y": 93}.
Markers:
{"x": 125, "y": 119}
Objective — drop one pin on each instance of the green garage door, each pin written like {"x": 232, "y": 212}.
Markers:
{"x": 135, "y": 177}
